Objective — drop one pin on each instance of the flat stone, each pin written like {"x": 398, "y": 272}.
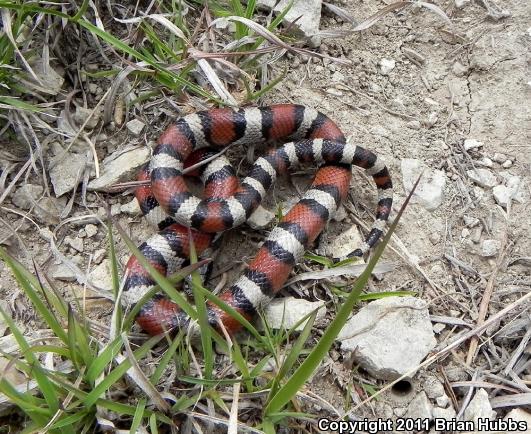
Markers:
{"x": 260, "y": 218}
{"x": 75, "y": 242}
{"x": 383, "y": 331}
{"x": 50, "y": 79}
{"x": 306, "y": 12}
{"x": 120, "y": 166}
{"x": 135, "y": 127}
{"x": 65, "y": 171}
{"x": 62, "y": 272}
{"x": 502, "y": 195}
{"x": 483, "y": 177}
{"x": 507, "y": 163}
{"x": 520, "y": 415}
{"x": 419, "y": 408}
{"x": 490, "y": 248}
{"x": 287, "y": 311}
{"x": 101, "y": 275}
{"x": 430, "y": 191}
{"x": 479, "y": 407}
{"x": 131, "y": 208}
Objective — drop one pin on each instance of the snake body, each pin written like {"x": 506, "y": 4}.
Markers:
{"x": 170, "y": 207}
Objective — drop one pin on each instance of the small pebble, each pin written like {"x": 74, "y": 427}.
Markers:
{"x": 475, "y": 234}
{"x": 75, "y": 243}
{"x": 135, "y": 126}
{"x": 506, "y": 164}
{"x": 499, "y": 158}
{"x": 387, "y": 65}
{"x": 91, "y": 230}
{"x": 490, "y": 247}
{"x": 414, "y": 125}
{"x": 115, "y": 209}
{"x": 470, "y": 221}
{"x": 472, "y": 144}
{"x": 99, "y": 255}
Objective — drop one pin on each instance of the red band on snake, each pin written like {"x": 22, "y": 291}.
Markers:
{"x": 170, "y": 207}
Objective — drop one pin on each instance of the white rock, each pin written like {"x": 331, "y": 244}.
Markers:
{"x": 135, "y": 127}
{"x": 383, "y": 331}
{"x": 490, "y": 247}
{"x": 520, "y": 415}
{"x": 430, "y": 191}
{"x": 502, "y": 195}
{"x": 91, "y": 230}
{"x": 99, "y": 255}
{"x": 486, "y": 162}
{"x": 443, "y": 401}
{"x": 308, "y": 12}
{"x": 76, "y": 243}
{"x": 482, "y": 177}
{"x": 420, "y": 407}
{"x": 260, "y": 218}
{"x": 119, "y": 166}
{"x": 342, "y": 245}
{"x": 338, "y": 76}
{"x": 132, "y": 207}
{"x": 387, "y": 65}
{"x": 27, "y": 195}
{"x": 479, "y": 407}
{"x": 65, "y": 172}
{"x": 499, "y": 158}
{"x": 472, "y": 144}
{"x": 433, "y": 387}
{"x": 287, "y": 311}
{"x": 101, "y": 276}
{"x": 62, "y": 272}
{"x": 470, "y": 221}
{"x": 459, "y": 69}
{"x": 459, "y": 4}
{"x": 507, "y": 163}
{"x": 443, "y": 413}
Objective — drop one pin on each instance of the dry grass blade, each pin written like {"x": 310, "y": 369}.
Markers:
{"x": 138, "y": 376}
{"x": 161, "y": 19}
{"x": 373, "y": 19}
{"x": 484, "y": 384}
{"x": 436, "y": 9}
{"x": 518, "y": 400}
{"x": 216, "y": 83}
{"x": 340, "y": 12}
{"x": 110, "y": 105}
{"x": 6, "y": 20}
{"x": 233, "y": 419}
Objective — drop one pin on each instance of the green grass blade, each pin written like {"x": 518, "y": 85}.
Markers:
{"x": 45, "y": 385}
{"x": 118, "y": 372}
{"x": 139, "y": 415}
{"x": 103, "y": 360}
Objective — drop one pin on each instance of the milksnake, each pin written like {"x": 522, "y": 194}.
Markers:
{"x": 169, "y": 206}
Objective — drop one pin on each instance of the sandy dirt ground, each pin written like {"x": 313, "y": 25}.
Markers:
{"x": 446, "y": 87}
